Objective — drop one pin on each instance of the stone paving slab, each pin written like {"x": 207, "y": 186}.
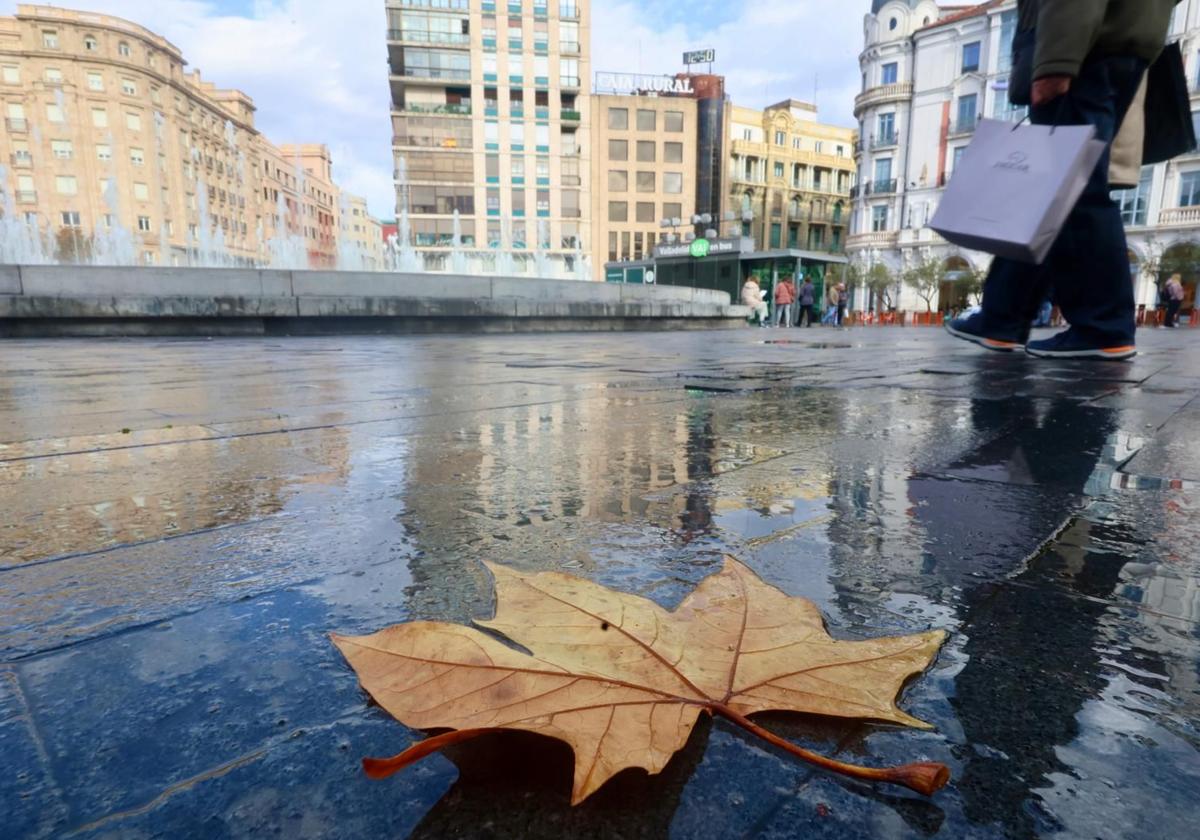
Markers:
{"x": 166, "y": 591}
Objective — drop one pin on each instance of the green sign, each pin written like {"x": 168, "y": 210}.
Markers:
{"x": 700, "y": 249}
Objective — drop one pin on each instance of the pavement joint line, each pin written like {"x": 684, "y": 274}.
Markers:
{"x": 13, "y": 677}
{"x": 215, "y": 603}
{"x": 320, "y": 427}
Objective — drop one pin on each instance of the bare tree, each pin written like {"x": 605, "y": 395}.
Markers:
{"x": 926, "y": 280}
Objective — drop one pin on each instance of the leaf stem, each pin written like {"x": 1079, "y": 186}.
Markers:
{"x": 925, "y": 777}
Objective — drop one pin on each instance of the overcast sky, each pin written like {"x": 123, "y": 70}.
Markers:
{"x": 317, "y": 69}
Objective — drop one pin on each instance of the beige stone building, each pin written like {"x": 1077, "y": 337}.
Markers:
{"x": 643, "y": 172}
{"x": 109, "y": 142}
{"x": 361, "y": 235}
{"x": 794, "y": 174}
{"x": 489, "y": 119}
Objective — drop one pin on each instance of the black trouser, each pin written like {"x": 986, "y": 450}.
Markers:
{"x": 1173, "y": 307}
{"x": 808, "y": 312}
{"x": 1089, "y": 262}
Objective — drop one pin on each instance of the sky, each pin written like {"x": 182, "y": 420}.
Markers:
{"x": 317, "y": 69}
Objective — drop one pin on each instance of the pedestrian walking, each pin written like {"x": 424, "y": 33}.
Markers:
{"x": 1086, "y": 60}
{"x": 843, "y": 301}
{"x": 831, "y": 306}
{"x": 808, "y": 303}
{"x": 752, "y": 296}
{"x": 1174, "y": 295}
{"x": 785, "y": 296}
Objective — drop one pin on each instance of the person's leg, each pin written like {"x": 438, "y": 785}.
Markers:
{"x": 1089, "y": 261}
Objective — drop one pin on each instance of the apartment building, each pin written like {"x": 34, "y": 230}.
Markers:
{"x": 930, "y": 73}
{"x": 643, "y": 172}
{"x": 361, "y": 237}
{"x": 791, "y": 177}
{"x": 489, "y": 122}
{"x": 106, "y": 130}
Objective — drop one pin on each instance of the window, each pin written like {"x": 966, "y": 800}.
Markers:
{"x": 54, "y": 113}
{"x": 90, "y": 43}
{"x": 886, "y": 131}
{"x": 645, "y": 211}
{"x": 61, "y": 149}
{"x": 841, "y": 151}
{"x": 1135, "y": 202}
{"x": 1189, "y": 189}
{"x": 49, "y": 39}
{"x": 879, "y": 218}
{"x": 889, "y": 74}
{"x": 883, "y": 171}
{"x": 144, "y": 224}
{"x": 618, "y": 119}
{"x": 1008, "y": 33}
{"x": 618, "y": 180}
{"x": 70, "y": 218}
{"x": 66, "y": 185}
{"x": 672, "y": 210}
{"x": 819, "y": 147}
{"x": 967, "y": 112}
{"x": 970, "y": 57}
{"x": 137, "y": 157}
{"x": 646, "y": 182}
{"x": 518, "y": 201}
{"x": 1196, "y": 121}
{"x": 568, "y": 72}
{"x": 53, "y": 76}
{"x": 778, "y": 170}
{"x": 796, "y": 144}
{"x": 128, "y": 87}
{"x": 10, "y": 74}
{"x": 673, "y": 183}
{"x": 103, "y": 152}
{"x": 618, "y": 150}
{"x": 780, "y": 138}
{"x": 673, "y": 121}
{"x": 646, "y": 151}
{"x": 647, "y": 120}
{"x": 123, "y": 50}
{"x": 958, "y": 153}
{"x": 618, "y": 211}
{"x": 95, "y": 81}
{"x": 673, "y": 152}
{"x": 133, "y": 121}
{"x": 892, "y": 24}
{"x": 141, "y": 192}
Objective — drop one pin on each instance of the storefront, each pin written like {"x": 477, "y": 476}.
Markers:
{"x": 724, "y": 264}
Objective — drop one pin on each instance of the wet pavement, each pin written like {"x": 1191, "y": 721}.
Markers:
{"x": 183, "y": 522}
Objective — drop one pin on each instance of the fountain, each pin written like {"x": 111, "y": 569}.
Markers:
{"x": 404, "y": 256}
{"x": 541, "y": 260}
{"x": 506, "y": 264}
{"x": 20, "y": 240}
{"x": 459, "y": 264}
{"x": 113, "y": 244}
{"x": 287, "y": 250}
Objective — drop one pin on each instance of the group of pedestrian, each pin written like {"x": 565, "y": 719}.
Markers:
{"x": 804, "y": 299}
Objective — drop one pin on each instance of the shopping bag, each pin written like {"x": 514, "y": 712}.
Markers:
{"x": 1170, "y": 131}
{"x": 1014, "y": 187}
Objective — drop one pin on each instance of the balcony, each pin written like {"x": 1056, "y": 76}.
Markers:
{"x": 17, "y": 124}
{"x": 571, "y": 116}
{"x": 568, "y": 11}
{"x": 460, "y": 109}
{"x": 431, "y": 74}
{"x": 962, "y": 128}
{"x": 882, "y": 95}
{"x": 885, "y": 141}
{"x": 1180, "y": 217}
{"x": 569, "y": 81}
{"x": 876, "y": 239}
{"x": 26, "y": 196}
{"x": 21, "y": 159}
{"x": 882, "y": 187}
{"x": 442, "y": 39}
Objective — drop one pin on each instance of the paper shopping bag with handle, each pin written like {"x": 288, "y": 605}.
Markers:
{"x": 1014, "y": 187}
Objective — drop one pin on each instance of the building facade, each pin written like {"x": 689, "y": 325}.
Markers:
{"x": 362, "y": 236}
{"x": 643, "y": 172}
{"x": 790, "y": 177}
{"x": 114, "y": 151}
{"x": 930, "y": 73}
{"x": 490, "y": 122}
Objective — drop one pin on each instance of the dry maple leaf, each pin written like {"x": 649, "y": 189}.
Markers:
{"x": 622, "y": 680}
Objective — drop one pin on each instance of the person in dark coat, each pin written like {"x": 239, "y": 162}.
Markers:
{"x": 1088, "y": 60}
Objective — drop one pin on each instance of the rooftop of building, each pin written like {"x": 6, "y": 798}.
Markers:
{"x": 29, "y": 11}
